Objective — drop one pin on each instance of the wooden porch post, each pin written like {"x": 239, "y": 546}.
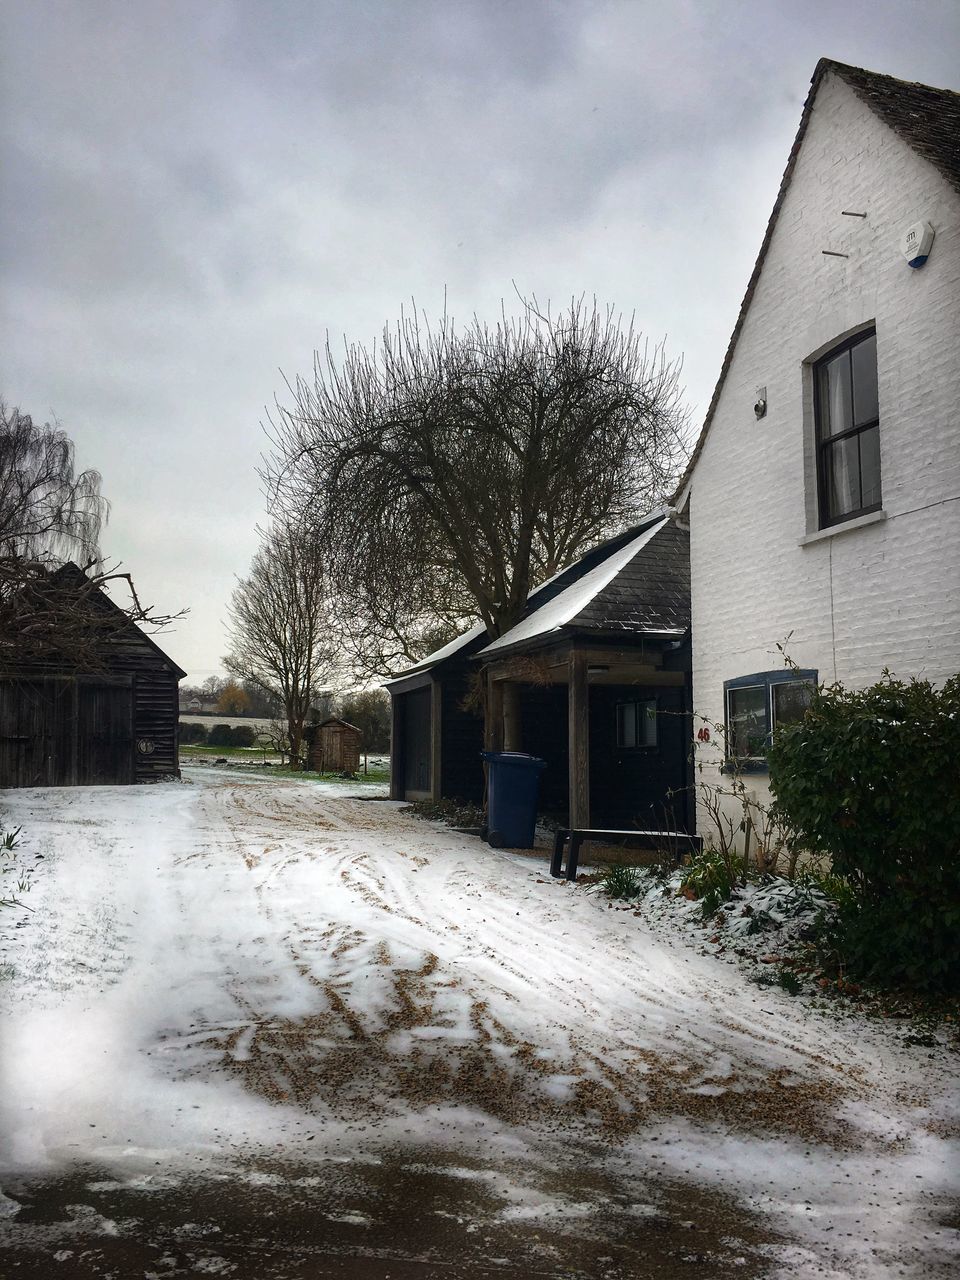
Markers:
{"x": 493, "y": 723}
{"x": 512, "y": 728}
{"x": 578, "y": 740}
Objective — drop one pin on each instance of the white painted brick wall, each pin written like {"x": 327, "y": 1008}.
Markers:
{"x": 887, "y": 594}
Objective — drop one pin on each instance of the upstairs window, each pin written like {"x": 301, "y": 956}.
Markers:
{"x": 848, "y": 430}
{"x": 756, "y": 705}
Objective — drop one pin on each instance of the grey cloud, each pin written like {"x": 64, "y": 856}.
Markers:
{"x": 194, "y": 193}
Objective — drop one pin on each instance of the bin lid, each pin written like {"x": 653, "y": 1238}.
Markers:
{"x": 514, "y": 758}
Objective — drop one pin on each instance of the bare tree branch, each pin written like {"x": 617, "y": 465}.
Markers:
{"x": 52, "y": 613}
{"x": 447, "y": 472}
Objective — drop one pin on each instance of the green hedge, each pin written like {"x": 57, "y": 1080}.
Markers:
{"x": 871, "y": 779}
{"x": 225, "y": 735}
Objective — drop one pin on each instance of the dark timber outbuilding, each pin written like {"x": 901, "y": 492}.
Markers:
{"x": 595, "y": 680}
{"x": 112, "y": 725}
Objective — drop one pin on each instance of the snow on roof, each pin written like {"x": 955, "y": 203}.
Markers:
{"x": 569, "y": 603}
{"x": 439, "y": 655}
{"x": 654, "y": 520}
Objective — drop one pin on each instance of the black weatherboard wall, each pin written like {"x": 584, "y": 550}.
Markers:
{"x": 114, "y": 725}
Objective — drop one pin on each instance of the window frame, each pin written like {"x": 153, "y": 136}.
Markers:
{"x": 825, "y": 441}
{"x": 639, "y": 703}
{"x": 768, "y": 681}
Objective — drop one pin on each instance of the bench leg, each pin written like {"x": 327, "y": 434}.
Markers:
{"x": 556, "y": 862}
{"x": 573, "y": 857}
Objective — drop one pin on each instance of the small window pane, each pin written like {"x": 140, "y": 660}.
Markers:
{"x": 836, "y": 400}
{"x": 648, "y": 723}
{"x": 865, "y": 403}
{"x": 626, "y": 724}
{"x": 747, "y": 721}
{"x": 870, "y": 467}
{"x": 790, "y": 701}
{"x": 637, "y": 724}
{"x": 841, "y": 476}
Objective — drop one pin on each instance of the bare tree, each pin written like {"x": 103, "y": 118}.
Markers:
{"x": 50, "y": 611}
{"x": 275, "y": 737}
{"x": 447, "y": 472}
{"x": 280, "y": 631}
{"x": 46, "y": 509}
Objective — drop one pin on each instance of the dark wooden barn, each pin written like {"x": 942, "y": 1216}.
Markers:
{"x": 113, "y": 724}
{"x": 595, "y": 680}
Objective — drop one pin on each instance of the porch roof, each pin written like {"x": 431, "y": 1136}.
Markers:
{"x": 642, "y": 588}
{"x": 541, "y": 598}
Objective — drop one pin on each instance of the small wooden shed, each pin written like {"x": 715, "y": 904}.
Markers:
{"x": 118, "y": 724}
{"x": 333, "y": 746}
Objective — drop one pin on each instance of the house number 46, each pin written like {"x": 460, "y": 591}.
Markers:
{"x": 703, "y": 735}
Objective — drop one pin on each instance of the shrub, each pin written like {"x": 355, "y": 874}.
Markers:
{"x": 221, "y": 735}
{"x": 871, "y": 779}
{"x": 621, "y": 881}
{"x": 242, "y": 735}
{"x": 712, "y": 877}
{"x": 192, "y": 732}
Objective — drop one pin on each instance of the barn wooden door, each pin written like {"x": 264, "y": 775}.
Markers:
{"x": 36, "y": 728}
{"x": 59, "y": 733}
{"x": 104, "y": 745}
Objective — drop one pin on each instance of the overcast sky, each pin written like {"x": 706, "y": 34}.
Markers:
{"x": 193, "y": 194}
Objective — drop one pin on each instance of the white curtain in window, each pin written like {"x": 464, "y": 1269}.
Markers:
{"x": 844, "y": 470}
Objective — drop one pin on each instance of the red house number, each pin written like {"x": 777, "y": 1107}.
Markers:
{"x": 703, "y": 735}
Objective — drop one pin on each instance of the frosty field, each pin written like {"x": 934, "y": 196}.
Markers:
{"x": 260, "y": 1028}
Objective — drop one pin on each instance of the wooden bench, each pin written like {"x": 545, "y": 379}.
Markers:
{"x": 680, "y": 841}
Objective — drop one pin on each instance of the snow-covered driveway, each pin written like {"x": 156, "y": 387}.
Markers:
{"x": 247, "y": 980}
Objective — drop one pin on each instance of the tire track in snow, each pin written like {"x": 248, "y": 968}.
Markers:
{"x": 459, "y": 1024}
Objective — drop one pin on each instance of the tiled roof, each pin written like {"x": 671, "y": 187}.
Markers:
{"x": 642, "y": 588}
{"x": 651, "y": 593}
{"x": 927, "y": 119}
{"x": 463, "y": 646}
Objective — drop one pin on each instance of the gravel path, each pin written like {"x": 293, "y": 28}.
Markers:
{"x": 320, "y": 1005}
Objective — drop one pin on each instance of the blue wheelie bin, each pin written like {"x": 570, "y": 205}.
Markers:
{"x": 513, "y": 785}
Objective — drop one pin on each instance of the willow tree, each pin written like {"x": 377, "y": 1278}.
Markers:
{"x": 447, "y": 471}
{"x": 50, "y": 512}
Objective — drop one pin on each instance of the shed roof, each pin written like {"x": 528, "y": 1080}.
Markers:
{"x": 925, "y": 118}
{"x": 341, "y": 724}
{"x": 642, "y": 588}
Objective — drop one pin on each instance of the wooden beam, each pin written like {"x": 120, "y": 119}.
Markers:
{"x": 554, "y": 669}
{"x": 578, "y": 741}
{"x": 638, "y": 676}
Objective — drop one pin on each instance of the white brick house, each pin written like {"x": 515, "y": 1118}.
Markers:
{"x": 831, "y": 513}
